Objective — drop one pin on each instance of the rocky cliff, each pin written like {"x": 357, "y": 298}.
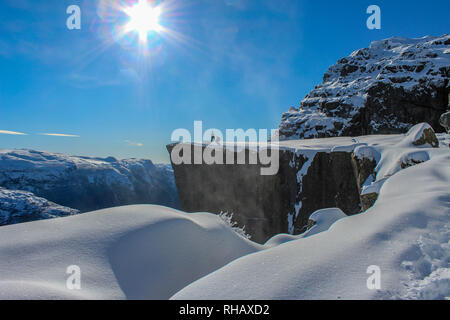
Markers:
{"x": 313, "y": 174}
{"x": 87, "y": 184}
{"x": 386, "y": 88}
{"x": 307, "y": 180}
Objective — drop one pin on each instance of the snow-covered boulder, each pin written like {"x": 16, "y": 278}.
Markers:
{"x": 386, "y": 88}
{"x": 322, "y": 220}
{"x": 86, "y": 183}
{"x": 421, "y": 135}
{"x": 22, "y": 206}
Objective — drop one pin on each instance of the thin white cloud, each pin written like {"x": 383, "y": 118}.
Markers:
{"x": 14, "y": 133}
{"x": 134, "y": 144}
{"x": 59, "y": 135}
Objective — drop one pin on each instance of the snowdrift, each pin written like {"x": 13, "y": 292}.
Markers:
{"x": 135, "y": 252}
{"x": 406, "y": 234}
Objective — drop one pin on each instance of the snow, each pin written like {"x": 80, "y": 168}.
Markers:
{"x": 153, "y": 252}
{"x": 366, "y": 152}
{"x": 333, "y": 265}
{"x": 135, "y": 252}
{"x": 374, "y": 187}
{"x": 323, "y": 219}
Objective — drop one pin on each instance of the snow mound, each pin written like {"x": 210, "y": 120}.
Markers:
{"x": 366, "y": 152}
{"x": 323, "y": 220}
{"x": 134, "y": 252}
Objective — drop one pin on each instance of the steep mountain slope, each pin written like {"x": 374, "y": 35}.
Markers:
{"x": 87, "y": 183}
{"x": 386, "y": 88}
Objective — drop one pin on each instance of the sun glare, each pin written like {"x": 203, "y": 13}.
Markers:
{"x": 144, "y": 18}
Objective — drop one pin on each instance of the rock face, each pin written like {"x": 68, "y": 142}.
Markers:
{"x": 270, "y": 205}
{"x": 87, "y": 184}
{"x": 445, "y": 121}
{"x": 257, "y": 202}
{"x": 386, "y": 88}
{"x": 21, "y": 206}
{"x": 344, "y": 173}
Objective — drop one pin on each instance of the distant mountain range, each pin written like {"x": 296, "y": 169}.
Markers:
{"x": 80, "y": 183}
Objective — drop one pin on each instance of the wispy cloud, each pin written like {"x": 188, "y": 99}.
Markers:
{"x": 14, "y": 133}
{"x": 134, "y": 144}
{"x": 59, "y": 135}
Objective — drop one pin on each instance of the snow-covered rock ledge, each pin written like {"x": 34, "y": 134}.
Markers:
{"x": 342, "y": 172}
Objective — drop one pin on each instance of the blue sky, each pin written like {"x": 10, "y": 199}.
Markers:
{"x": 237, "y": 64}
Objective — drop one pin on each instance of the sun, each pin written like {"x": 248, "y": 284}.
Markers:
{"x": 144, "y": 18}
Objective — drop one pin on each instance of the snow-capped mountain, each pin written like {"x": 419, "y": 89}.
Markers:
{"x": 21, "y": 206}
{"x": 87, "y": 183}
{"x": 386, "y": 88}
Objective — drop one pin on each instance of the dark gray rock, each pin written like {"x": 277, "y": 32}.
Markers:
{"x": 270, "y": 205}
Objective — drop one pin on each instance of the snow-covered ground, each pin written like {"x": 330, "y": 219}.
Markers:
{"x": 134, "y": 252}
{"x": 152, "y": 252}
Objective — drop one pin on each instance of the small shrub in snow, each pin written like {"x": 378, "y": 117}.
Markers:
{"x": 228, "y": 219}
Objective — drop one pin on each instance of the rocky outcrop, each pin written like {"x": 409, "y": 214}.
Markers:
{"x": 329, "y": 182}
{"x": 366, "y": 159}
{"x": 260, "y": 203}
{"x": 20, "y": 206}
{"x": 344, "y": 173}
{"x": 87, "y": 184}
{"x": 445, "y": 121}
{"x": 386, "y": 88}
{"x": 269, "y": 205}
